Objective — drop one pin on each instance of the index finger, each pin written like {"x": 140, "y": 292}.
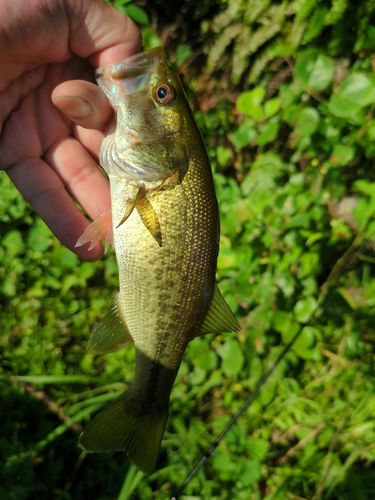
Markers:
{"x": 101, "y": 33}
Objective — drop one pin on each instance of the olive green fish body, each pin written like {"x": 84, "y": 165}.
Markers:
{"x": 166, "y": 232}
{"x": 165, "y": 289}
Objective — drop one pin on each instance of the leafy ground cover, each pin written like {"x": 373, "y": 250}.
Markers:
{"x": 292, "y": 155}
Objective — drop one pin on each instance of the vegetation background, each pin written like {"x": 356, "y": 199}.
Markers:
{"x": 284, "y": 94}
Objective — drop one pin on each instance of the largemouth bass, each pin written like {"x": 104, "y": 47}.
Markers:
{"x": 165, "y": 226}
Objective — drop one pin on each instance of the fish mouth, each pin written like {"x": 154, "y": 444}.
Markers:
{"x": 134, "y": 65}
{"x": 131, "y": 75}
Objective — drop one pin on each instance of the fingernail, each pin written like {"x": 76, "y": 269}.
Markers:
{"x": 75, "y": 107}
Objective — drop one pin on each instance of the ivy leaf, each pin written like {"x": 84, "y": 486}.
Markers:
{"x": 307, "y": 121}
{"x": 249, "y": 103}
{"x": 223, "y": 155}
{"x": 13, "y": 243}
{"x": 355, "y": 92}
{"x": 358, "y": 88}
{"x": 304, "y": 309}
{"x": 342, "y": 154}
{"x": 136, "y": 13}
{"x": 232, "y": 356}
{"x": 314, "y": 70}
{"x": 341, "y": 107}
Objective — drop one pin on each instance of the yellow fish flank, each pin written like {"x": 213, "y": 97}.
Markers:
{"x": 165, "y": 228}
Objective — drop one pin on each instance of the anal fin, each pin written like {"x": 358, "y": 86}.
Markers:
{"x": 219, "y": 317}
{"x": 112, "y": 333}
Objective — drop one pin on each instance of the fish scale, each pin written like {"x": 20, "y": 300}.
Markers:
{"x": 165, "y": 234}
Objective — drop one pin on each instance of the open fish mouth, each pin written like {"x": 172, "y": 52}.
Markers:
{"x": 131, "y": 75}
{"x": 133, "y": 65}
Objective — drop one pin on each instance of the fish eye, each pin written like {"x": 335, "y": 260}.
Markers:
{"x": 164, "y": 93}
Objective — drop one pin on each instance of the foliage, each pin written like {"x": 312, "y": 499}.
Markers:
{"x": 260, "y": 31}
{"x": 296, "y": 189}
{"x": 132, "y": 10}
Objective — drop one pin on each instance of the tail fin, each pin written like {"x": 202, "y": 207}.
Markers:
{"x": 120, "y": 427}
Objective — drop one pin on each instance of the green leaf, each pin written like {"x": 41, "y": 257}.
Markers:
{"x": 260, "y": 181}
{"x": 249, "y": 103}
{"x": 282, "y": 320}
{"x": 358, "y": 88}
{"x": 313, "y": 70}
{"x": 245, "y": 133}
{"x": 150, "y": 39}
{"x": 355, "y": 92}
{"x": 364, "y": 211}
{"x": 136, "y": 13}
{"x": 120, "y": 3}
{"x": 342, "y": 107}
{"x": 342, "y": 154}
{"x": 271, "y": 107}
{"x": 232, "y": 356}
{"x": 39, "y": 237}
{"x": 304, "y": 346}
{"x": 130, "y": 484}
{"x": 267, "y": 394}
{"x": 257, "y": 447}
{"x": 322, "y": 74}
{"x": 251, "y": 473}
{"x": 202, "y": 355}
{"x": 222, "y": 462}
{"x": 182, "y": 52}
{"x": 86, "y": 270}
{"x": 304, "y": 309}
{"x": 309, "y": 263}
{"x": 223, "y": 155}
{"x": 67, "y": 283}
{"x": 66, "y": 258}
{"x": 268, "y": 132}
{"x": 13, "y": 243}
{"x": 280, "y": 50}
{"x": 307, "y": 121}
{"x": 365, "y": 187}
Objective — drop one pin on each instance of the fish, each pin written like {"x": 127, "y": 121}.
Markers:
{"x": 164, "y": 226}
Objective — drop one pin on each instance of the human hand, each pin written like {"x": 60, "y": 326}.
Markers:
{"x": 53, "y": 46}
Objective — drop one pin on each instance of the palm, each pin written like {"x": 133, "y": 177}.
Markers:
{"x": 50, "y": 158}
{"x": 30, "y": 130}
{"x": 37, "y": 136}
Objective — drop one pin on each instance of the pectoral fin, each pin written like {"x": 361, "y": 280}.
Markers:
{"x": 219, "y": 317}
{"x": 129, "y": 207}
{"x": 95, "y": 232}
{"x": 112, "y": 333}
{"x": 149, "y": 218}
{"x": 146, "y": 212}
